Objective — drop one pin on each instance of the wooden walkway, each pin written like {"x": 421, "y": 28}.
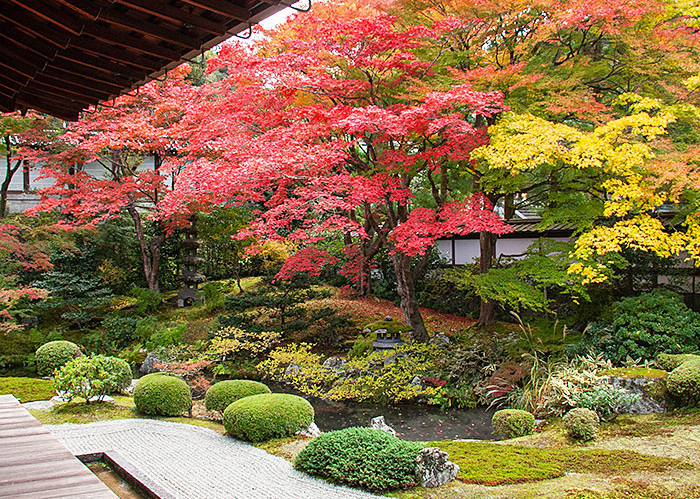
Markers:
{"x": 34, "y": 465}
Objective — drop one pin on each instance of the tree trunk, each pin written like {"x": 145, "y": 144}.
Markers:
{"x": 406, "y": 287}
{"x": 487, "y": 246}
{"x": 150, "y": 253}
{"x": 9, "y": 174}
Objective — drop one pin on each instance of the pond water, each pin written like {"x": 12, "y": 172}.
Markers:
{"x": 411, "y": 421}
{"x": 121, "y": 488}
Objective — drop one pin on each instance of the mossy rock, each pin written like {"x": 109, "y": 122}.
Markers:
{"x": 684, "y": 384}
{"x": 636, "y": 373}
{"x": 392, "y": 326}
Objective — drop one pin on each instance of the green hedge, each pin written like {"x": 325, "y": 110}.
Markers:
{"x": 684, "y": 383}
{"x": 361, "y": 457}
{"x": 161, "y": 395}
{"x": 270, "y": 415}
{"x": 54, "y": 355}
{"x": 669, "y": 361}
{"x": 225, "y": 393}
{"x": 512, "y": 423}
{"x": 581, "y": 424}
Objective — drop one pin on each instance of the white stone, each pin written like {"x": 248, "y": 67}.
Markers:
{"x": 312, "y": 431}
{"x": 378, "y": 423}
{"x": 434, "y": 468}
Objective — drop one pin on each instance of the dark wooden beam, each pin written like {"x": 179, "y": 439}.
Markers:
{"x": 222, "y": 7}
{"x": 101, "y": 49}
{"x": 40, "y": 104}
{"x": 75, "y": 56}
{"x": 49, "y": 12}
{"x": 33, "y": 25}
{"x": 21, "y": 67}
{"x": 80, "y": 94}
{"x": 83, "y": 81}
{"x": 9, "y": 73}
{"x": 27, "y": 42}
{"x": 72, "y": 70}
{"x": 44, "y": 91}
{"x": 149, "y": 28}
{"x": 173, "y": 14}
{"x": 122, "y": 38}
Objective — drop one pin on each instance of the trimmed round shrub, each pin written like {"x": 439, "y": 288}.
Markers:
{"x": 581, "y": 424}
{"x": 269, "y": 415}
{"x": 161, "y": 395}
{"x": 92, "y": 376}
{"x": 512, "y": 423}
{"x": 361, "y": 457}
{"x": 54, "y": 355}
{"x": 669, "y": 361}
{"x": 225, "y": 393}
{"x": 683, "y": 383}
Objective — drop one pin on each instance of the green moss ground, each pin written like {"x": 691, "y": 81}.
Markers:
{"x": 495, "y": 464}
{"x": 27, "y": 389}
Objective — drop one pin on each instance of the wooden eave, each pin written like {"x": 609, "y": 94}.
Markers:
{"x": 61, "y": 56}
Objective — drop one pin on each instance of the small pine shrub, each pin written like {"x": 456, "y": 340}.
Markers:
{"x": 54, "y": 355}
{"x": 512, "y": 423}
{"x": 361, "y": 457}
{"x": 581, "y": 424}
{"x": 224, "y": 393}
{"x": 147, "y": 301}
{"x": 683, "y": 383}
{"x": 269, "y": 415}
{"x": 92, "y": 376}
{"x": 668, "y": 361}
{"x": 161, "y": 395}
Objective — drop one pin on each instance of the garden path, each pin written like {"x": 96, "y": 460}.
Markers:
{"x": 192, "y": 462}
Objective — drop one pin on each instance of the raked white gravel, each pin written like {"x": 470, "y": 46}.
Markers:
{"x": 192, "y": 462}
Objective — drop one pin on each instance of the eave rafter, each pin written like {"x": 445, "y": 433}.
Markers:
{"x": 61, "y": 56}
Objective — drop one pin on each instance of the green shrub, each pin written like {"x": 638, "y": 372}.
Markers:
{"x": 121, "y": 331}
{"x": 581, "y": 424}
{"x": 647, "y": 325}
{"x": 161, "y": 395}
{"x": 683, "y": 383}
{"x": 92, "y": 376}
{"x": 166, "y": 335}
{"x": 224, "y": 393}
{"x": 668, "y": 361}
{"x": 270, "y": 415}
{"x": 361, "y": 457}
{"x": 360, "y": 347}
{"x": 53, "y": 355}
{"x": 147, "y": 301}
{"x": 606, "y": 401}
{"x": 512, "y": 423}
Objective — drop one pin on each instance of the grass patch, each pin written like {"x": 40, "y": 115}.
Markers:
{"x": 83, "y": 413}
{"x": 496, "y": 464}
{"x": 27, "y": 389}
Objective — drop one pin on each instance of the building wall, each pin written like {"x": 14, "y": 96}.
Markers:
{"x": 18, "y": 200}
{"x": 467, "y": 250}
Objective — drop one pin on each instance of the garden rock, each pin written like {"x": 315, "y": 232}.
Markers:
{"x": 39, "y": 405}
{"x": 292, "y": 370}
{"x": 334, "y": 364}
{"x": 378, "y": 423}
{"x": 652, "y": 391}
{"x": 130, "y": 388}
{"x": 150, "y": 365}
{"x": 434, "y": 468}
{"x": 440, "y": 340}
{"x": 312, "y": 431}
{"x": 417, "y": 382}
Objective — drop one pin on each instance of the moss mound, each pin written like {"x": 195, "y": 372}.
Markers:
{"x": 581, "y": 424}
{"x": 224, "y": 393}
{"x": 361, "y": 457}
{"x": 512, "y": 423}
{"x": 269, "y": 415}
{"x": 160, "y": 395}
{"x": 670, "y": 361}
{"x": 684, "y": 383}
{"x": 54, "y": 355}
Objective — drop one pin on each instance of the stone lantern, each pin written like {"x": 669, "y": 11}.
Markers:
{"x": 388, "y": 333}
{"x": 189, "y": 262}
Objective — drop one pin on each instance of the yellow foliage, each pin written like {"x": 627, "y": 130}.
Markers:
{"x": 232, "y": 340}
